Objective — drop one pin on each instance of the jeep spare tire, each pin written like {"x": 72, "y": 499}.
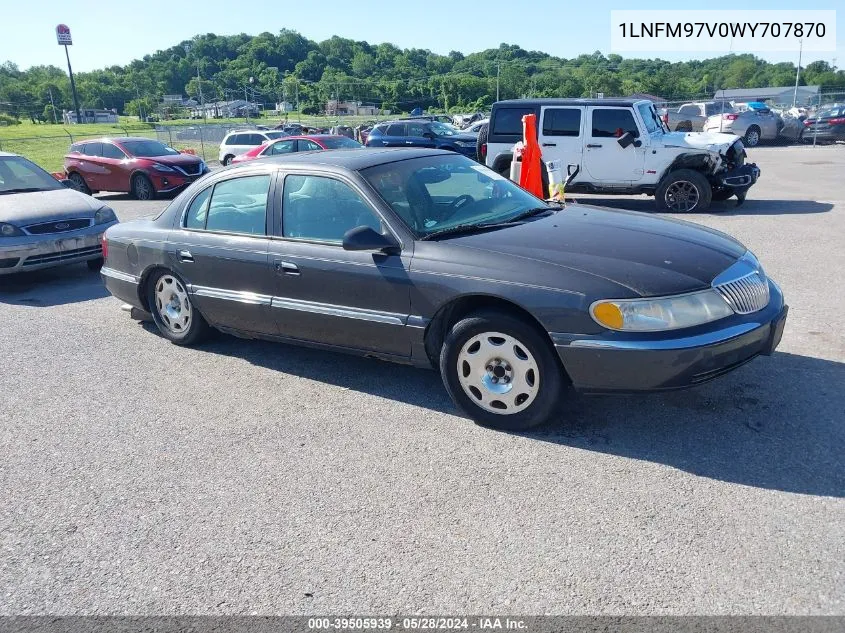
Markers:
{"x": 683, "y": 191}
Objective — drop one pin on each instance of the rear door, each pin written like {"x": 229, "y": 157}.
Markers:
{"x": 90, "y": 165}
{"x": 561, "y": 138}
{"x": 605, "y": 160}
{"x": 394, "y": 135}
{"x": 221, "y": 251}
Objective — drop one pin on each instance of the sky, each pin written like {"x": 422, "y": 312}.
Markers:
{"x": 116, "y": 32}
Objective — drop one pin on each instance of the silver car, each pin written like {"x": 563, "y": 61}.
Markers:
{"x": 752, "y": 125}
{"x": 43, "y": 223}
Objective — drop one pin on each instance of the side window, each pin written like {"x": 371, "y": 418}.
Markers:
{"x": 416, "y": 129}
{"x": 397, "y": 129}
{"x": 237, "y": 139}
{"x": 282, "y": 147}
{"x": 562, "y": 122}
{"x": 613, "y": 123}
{"x": 255, "y": 139}
{"x": 320, "y": 208}
{"x": 308, "y": 146}
{"x": 509, "y": 120}
{"x": 112, "y": 151}
{"x": 689, "y": 109}
{"x": 92, "y": 149}
{"x": 238, "y": 205}
{"x": 198, "y": 211}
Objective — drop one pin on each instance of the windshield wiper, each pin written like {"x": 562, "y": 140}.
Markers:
{"x": 22, "y": 190}
{"x": 470, "y": 228}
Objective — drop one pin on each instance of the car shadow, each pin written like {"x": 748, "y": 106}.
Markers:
{"x": 776, "y": 423}
{"x": 52, "y": 286}
{"x": 727, "y": 207}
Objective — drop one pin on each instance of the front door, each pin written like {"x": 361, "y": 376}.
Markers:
{"x": 324, "y": 294}
{"x": 221, "y": 251}
{"x": 115, "y": 175}
{"x": 605, "y": 160}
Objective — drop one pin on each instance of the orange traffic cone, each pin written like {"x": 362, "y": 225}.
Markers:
{"x": 531, "y": 177}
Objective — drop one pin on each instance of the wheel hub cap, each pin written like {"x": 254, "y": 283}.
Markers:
{"x": 498, "y": 373}
{"x": 172, "y": 304}
{"x": 681, "y": 196}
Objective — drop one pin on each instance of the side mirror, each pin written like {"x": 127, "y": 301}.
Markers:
{"x": 365, "y": 238}
{"x": 626, "y": 139}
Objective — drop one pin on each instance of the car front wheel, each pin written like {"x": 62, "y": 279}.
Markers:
{"x": 683, "y": 191}
{"x": 501, "y": 371}
{"x": 142, "y": 188}
{"x": 172, "y": 310}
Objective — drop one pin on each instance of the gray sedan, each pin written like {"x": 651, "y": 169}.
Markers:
{"x": 426, "y": 257}
{"x": 43, "y": 223}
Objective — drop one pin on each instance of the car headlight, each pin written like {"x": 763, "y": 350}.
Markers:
{"x": 10, "y": 230}
{"x": 104, "y": 216}
{"x": 160, "y": 167}
{"x": 660, "y": 314}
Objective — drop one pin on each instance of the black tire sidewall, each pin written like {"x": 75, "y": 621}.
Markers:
{"x": 227, "y": 160}
{"x": 745, "y": 137}
{"x": 551, "y": 375}
{"x": 79, "y": 181}
{"x": 197, "y": 329}
{"x": 135, "y": 179}
{"x": 705, "y": 191}
{"x": 482, "y": 139}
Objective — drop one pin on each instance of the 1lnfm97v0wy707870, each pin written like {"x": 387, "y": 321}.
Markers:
{"x": 426, "y": 257}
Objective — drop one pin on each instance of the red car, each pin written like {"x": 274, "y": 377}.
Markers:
{"x": 290, "y": 144}
{"x": 141, "y": 166}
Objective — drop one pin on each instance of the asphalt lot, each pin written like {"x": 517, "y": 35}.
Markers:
{"x": 245, "y": 477}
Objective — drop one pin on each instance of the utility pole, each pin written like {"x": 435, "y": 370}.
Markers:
{"x": 53, "y": 107}
{"x": 797, "y": 72}
{"x": 497, "y": 80}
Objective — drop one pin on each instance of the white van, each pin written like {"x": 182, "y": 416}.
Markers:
{"x": 241, "y": 141}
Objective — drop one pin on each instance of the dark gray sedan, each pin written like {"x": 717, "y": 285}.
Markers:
{"x": 425, "y": 257}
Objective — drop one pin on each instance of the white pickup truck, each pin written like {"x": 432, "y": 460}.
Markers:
{"x": 618, "y": 146}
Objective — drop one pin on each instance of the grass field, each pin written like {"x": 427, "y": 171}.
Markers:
{"x": 46, "y": 144}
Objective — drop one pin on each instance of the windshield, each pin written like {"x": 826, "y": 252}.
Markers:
{"x": 145, "y": 149}
{"x": 275, "y": 135}
{"x": 19, "y": 174}
{"x": 437, "y": 193}
{"x": 441, "y": 129}
{"x": 339, "y": 142}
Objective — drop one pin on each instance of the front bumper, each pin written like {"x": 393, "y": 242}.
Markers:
{"x": 614, "y": 362}
{"x": 740, "y": 179}
{"x": 34, "y": 253}
{"x": 169, "y": 182}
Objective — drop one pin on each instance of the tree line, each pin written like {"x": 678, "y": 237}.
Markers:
{"x": 270, "y": 68}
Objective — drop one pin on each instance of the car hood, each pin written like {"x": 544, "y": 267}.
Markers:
{"x": 173, "y": 159}
{"x": 21, "y": 209}
{"x": 711, "y": 141}
{"x": 649, "y": 256}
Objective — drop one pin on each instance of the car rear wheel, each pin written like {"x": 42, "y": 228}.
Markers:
{"x": 142, "y": 188}
{"x": 683, "y": 191}
{"x": 79, "y": 183}
{"x": 752, "y": 136}
{"x": 227, "y": 160}
{"x": 501, "y": 371}
{"x": 172, "y": 310}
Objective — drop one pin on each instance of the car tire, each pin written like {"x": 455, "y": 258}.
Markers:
{"x": 481, "y": 140}
{"x": 142, "y": 188}
{"x": 95, "y": 264}
{"x": 683, "y": 191}
{"x": 752, "y": 136}
{"x": 514, "y": 383}
{"x": 173, "y": 312}
{"x": 79, "y": 183}
{"x": 227, "y": 160}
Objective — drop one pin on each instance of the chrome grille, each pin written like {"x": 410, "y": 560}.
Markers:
{"x": 746, "y": 294}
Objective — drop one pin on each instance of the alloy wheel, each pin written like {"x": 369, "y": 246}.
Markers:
{"x": 173, "y": 304}
{"x": 143, "y": 188}
{"x": 682, "y": 196}
{"x": 498, "y": 373}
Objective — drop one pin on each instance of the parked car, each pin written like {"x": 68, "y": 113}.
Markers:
{"x": 426, "y": 257}
{"x": 826, "y": 125}
{"x": 44, "y": 222}
{"x": 421, "y": 133}
{"x": 141, "y": 166}
{"x": 442, "y": 118}
{"x": 690, "y": 117}
{"x": 620, "y": 146}
{"x": 292, "y": 144}
{"x": 752, "y": 125}
{"x": 242, "y": 141}
{"x": 475, "y": 128}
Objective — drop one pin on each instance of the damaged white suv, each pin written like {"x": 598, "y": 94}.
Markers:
{"x": 618, "y": 146}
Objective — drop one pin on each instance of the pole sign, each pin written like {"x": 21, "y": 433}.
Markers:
{"x": 63, "y": 35}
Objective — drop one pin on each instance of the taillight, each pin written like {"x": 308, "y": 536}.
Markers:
{"x": 105, "y": 246}
{"x": 730, "y": 117}
{"x": 838, "y": 121}
{"x": 484, "y": 150}
{"x": 808, "y": 122}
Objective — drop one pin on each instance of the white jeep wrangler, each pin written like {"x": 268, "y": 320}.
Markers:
{"x": 618, "y": 146}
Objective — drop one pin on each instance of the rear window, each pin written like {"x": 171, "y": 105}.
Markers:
{"x": 562, "y": 122}
{"x": 92, "y": 149}
{"x": 613, "y": 123}
{"x": 693, "y": 110}
{"x": 509, "y": 120}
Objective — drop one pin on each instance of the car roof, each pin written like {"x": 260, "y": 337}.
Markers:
{"x": 115, "y": 139}
{"x": 8, "y": 154}
{"x": 352, "y": 159}
{"x": 610, "y": 101}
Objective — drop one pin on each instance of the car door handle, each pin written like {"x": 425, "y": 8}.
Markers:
{"x": 549, "y": 144}
{"x": 185, "y": 256}
{"x": 593, "y": 145}
{"x": 286, "y": 268}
